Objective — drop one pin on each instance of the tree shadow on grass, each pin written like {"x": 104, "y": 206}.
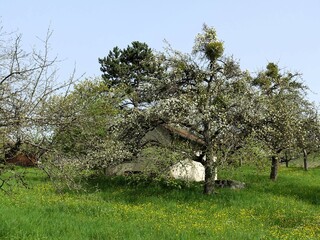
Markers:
{"x": 125, "y": 190}
{"x": 293, "y": 183}
{"x": 121, "y": 189}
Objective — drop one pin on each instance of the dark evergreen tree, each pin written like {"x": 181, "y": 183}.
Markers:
{"x": 134, "y": 71}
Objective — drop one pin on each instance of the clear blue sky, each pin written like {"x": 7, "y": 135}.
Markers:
{"x": 255, "y": 32}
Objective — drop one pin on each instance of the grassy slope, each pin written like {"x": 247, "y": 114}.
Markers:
{"x": 287, "y": 209}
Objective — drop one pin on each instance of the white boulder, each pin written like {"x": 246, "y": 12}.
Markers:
{"x": 188, "y": 170}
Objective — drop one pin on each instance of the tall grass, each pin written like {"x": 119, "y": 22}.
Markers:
{"x": 286, "y": 209}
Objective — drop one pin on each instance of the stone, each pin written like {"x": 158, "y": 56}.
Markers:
{"x": 229, "y": 184}
{"x": 188, "y": 170}
{"x": 185, "y": 170}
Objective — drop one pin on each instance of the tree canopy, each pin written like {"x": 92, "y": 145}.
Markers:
{"x": 207, "y": 94}
{"x": 103, "y": 121}
{"x": 133, "y": 70}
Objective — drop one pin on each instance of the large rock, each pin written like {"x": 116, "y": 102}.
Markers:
{"x": 124, "y": 169}
{"x": 188, "y": 170}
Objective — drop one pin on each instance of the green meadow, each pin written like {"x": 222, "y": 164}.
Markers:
{"x": 120, "y": 209}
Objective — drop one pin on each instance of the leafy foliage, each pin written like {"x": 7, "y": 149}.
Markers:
{"x": 208, "y": 95}
{"x": 83, "y": 142}
{"x": 283, "y": 110}
{"x": 207, "y": 99}
{"x": 27, "y": 81}
{"x": 134, "y": 70}
{"x": 230, "y": 114}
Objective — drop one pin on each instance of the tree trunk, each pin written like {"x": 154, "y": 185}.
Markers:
{"x": 209, "y": 180}
{"x": 287, "y": 160}
{"x": 305, "y": 160}
{"x": 274, "y": 168}
{"x": 210, "y": 173}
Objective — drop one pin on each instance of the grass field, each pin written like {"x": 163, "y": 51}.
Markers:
{"x": 286, "y": 209}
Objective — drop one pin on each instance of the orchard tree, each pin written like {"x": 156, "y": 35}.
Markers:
{"x": 82, "y": 140}
{"x": 91, "y": 114}
{"x": 208, "y": 95}
{"x": 86, "y": 113}
{"x": 281, "y": 113}
{"x": 204, "y": 93}
{"x": 309, "y": 137}
{"x": 27, "y": 81}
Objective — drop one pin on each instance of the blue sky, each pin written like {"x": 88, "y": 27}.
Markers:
{"x": 255, "y": 32}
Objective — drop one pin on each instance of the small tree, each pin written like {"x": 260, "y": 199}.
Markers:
{"x": 309, "y": 137}
{"x": 82, "y": 140}
{"x": 27, "y": 81}
{"x": 282, "y": 98}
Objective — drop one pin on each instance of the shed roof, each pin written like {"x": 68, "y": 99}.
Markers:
{"x": 184, "y": 134}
